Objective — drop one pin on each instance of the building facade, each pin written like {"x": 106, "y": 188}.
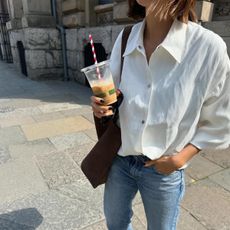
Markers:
{"x": 49, "y": 38}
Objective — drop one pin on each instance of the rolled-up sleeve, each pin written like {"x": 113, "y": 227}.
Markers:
{"x": 213, "y": 131}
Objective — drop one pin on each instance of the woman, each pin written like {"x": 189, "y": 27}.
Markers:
{"x": 176, "y": 85}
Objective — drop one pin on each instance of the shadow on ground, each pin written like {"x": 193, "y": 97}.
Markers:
{"x": 24, "y": 219}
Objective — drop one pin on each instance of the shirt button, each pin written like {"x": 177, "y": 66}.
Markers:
{"x": 149, "y": 85}
{"x": 142, "y": 121}
{"x": 140, "y": 47}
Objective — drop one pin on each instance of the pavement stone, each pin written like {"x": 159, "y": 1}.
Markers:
{"x": 97, "y": 226}
{"x": 222, "y": 178}
{"x": 200, "y": 168}
{"x": 31, "y": 149}
{"x": 92, "y": 134}
{"x": 4, "y": 155}
{"x": 48, "y": 116}
{"x": 139, "y": 211}
{"x": 70, "y": 140}
{"x": 55, "y": 107}
{"x": 21, "y": 102}
{"x": 7, "y": 122}
{"x": 220, "y": 157}
{"x": 209, "y": 204}
{"x": 55, "y": 127}
{"x": 69, "y": 207}
{"x": 58, "y": 169}
{"x": 89, "y": 117}
{"x": 76, "y": 112}
{"x": 188, "y": 179}
{"x": 19, "y": 178}
{"x": 8, "y": 225}
{"x": 79, "y": 152}
{"x": 188, "y": 222}
{"x": 11, "y": 135}
{"x": 21, "y": 112}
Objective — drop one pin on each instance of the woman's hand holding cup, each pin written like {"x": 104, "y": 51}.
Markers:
{"x": 99, "y": 109}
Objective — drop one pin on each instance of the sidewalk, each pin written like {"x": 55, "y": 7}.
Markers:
{"x": 46, "y": 128}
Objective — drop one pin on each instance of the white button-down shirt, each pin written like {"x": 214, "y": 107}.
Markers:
{"x": 181, "y": 96}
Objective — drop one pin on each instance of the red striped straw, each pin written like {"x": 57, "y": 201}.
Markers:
{"x": 94, "y": 55}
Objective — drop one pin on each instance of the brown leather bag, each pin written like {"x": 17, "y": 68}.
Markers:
{"x": 97, "y": 163}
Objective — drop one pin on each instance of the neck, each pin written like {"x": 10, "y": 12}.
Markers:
{"x": 156, "y": 29}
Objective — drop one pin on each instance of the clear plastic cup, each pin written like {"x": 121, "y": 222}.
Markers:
{"x": 101, "y": 81}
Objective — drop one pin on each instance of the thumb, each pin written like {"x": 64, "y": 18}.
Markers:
{"x": 118, "y": 92}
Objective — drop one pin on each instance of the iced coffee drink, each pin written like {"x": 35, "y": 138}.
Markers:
{"x": 101, "y": 82}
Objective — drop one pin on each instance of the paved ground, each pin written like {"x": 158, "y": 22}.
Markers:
{"x": 46, "y": 128}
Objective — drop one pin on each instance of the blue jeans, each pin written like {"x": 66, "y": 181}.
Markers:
{"x": 161, "y": 194}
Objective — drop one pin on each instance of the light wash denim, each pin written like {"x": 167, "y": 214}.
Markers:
{"x": 161, "y": 194}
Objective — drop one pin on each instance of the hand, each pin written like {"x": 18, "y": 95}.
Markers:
{"x": 166, "y": 164}
{"x": 99, "y": 109}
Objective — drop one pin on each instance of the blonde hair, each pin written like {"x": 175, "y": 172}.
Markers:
{"x": 183, "y": 10}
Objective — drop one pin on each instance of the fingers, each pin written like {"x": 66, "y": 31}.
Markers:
{"x": 154, "y": 162}
{"x": 97, "y": 100}
{"x": 150, "y": 163}
{"x": 99, "y": 109}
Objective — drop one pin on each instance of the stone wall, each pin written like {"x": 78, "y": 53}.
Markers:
{"x": 222, "y": 10}
{"x": 76, "y": 41}
{"x": 42, "y": 52}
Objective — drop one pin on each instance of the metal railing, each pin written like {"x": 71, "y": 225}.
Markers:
{"x": 5, "y": 47}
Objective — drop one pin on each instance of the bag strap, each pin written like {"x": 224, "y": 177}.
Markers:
{"x": 125, "y": 36}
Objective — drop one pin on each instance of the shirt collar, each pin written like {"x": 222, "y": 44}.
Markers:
{"x": 174, "y": 42}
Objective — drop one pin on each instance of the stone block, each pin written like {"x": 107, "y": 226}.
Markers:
{"x": 100, "y": 35}
{"x": 14, "y": 24}
{"x": 73, "y": 59}
{"x": 79, "y": 77}
{"x": 58, "y": 169}
{"x": 71, "y": 39}
{"x": 76, "y": 206}
{"x": 73, "y": 6}
{"x": 220, "y": 157}
{"x": 4, "y": 155}
{"x": 204, "y": 10}
{"x": 41, "y": 7}
{"x": 74, "y": 20}
{"x": 15, "y": 36}
{"x": 15, "y": 8}
{"x": 222, "y": 28}
{"x": 188, "y": 222}
{"x": 36, "y": 59}
{"x": 103, "y": 8}
{"x": 20, "y": 178}
{"x": 55, "y": 128}
{"x": 69, "y": 141}
{"x": 222, "y": 178}
{"x": 48, "y": 116}
{"x": 208, "y": 203}
{"x": 54, "y": 39}
{"x": 36, "y": 38}
{"x": 11, "y": 135}
{"x": 39, "y": 21}
{"x": 45, "y": 74}
{"x": 58, "y": 107}
{"x": 120, "y": 12}
{"x": 30, "y": 150}
{"x": 9, "y": 122}
{"x": 105, "y": 18}
{"x": 201, "y": 168}
{"x": 222, "y": 10}
{"x": 54, "y": 58}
